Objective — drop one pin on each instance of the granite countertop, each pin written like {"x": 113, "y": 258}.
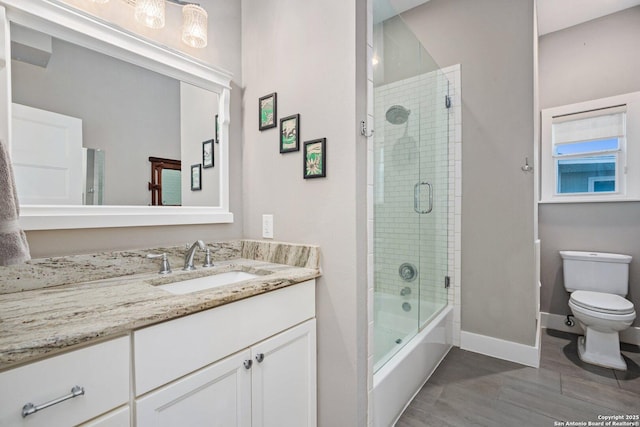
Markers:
{"x": 43, "y": 320}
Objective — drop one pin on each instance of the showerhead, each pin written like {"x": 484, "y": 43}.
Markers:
{"x": 397, "y": 114}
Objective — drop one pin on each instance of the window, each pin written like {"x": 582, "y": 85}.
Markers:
{"x": 590, "y": 151}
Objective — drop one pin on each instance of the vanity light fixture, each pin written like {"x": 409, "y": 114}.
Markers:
{"x": 194, "y": 19}
{"x": 194, "y": 25}
{"x": 151, "y": 13}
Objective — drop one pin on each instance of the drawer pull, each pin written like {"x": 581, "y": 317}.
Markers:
{"x": 30, "y": 408}
{"x": 259, "y": 357}
{"x": 247, "y": 364}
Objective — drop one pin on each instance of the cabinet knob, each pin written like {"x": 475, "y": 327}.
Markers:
{"x": 247, "y": 364}
{"x": 259, "y": 357}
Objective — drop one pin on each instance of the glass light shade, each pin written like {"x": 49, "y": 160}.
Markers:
{"x": 100, "y": 1}
{"x": 194, "y": 26}
{"x": 150, "y": 13}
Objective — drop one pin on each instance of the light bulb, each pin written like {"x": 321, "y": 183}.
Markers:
{"x": 194, "y": 25}
{"x": 150, "y": 13}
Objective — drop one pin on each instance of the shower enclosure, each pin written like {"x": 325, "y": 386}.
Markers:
{"x": 411, "y": 188}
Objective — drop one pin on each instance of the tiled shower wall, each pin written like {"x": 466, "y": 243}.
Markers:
{"x": 406, "y": 155}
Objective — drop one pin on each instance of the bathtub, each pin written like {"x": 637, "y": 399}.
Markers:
{"x": 397, "y": 381}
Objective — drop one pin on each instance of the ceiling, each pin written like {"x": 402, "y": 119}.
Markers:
{"x": 553, "y": 15}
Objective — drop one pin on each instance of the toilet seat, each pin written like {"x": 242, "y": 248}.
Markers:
{"x": 601, "y": 302}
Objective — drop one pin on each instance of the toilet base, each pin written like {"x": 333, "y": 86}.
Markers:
{"x": 602, "y": 349}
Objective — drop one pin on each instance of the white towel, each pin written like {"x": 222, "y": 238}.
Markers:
{"x": 14, "y": 248}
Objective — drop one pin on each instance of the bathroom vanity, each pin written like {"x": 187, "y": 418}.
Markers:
{"x": 122, "y": 351}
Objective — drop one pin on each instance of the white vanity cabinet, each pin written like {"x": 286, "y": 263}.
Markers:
{"x": 116, "y": 418}
{"x": 218, "y": 395}
{"x": 283, "y": 379}
{"x": 249, "y": 363}
{"x": 102, "y": 370}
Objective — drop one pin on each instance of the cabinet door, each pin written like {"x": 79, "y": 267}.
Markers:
{"x": 284, "y": 379}
{"x": 218, "y": 395}
{"x": 116, "y": 418}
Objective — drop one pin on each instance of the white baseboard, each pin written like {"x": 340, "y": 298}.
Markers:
{"x": 556, "y": 322}
{"x": 496, "y": 347}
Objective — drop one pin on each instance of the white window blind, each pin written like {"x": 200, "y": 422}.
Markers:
{"x": 590, "y": 125}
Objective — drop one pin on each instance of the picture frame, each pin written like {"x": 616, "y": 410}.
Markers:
{"x": 315, "y": 158}
{"x": 208, "y": 154}
{"x": 196, "y": 177}
{"x": 290, "y": 134}
{"x": 216, "y": 137}
{"x": 268, "y": 111}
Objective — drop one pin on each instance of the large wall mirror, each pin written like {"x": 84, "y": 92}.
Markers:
{"x": 90, "y": 104}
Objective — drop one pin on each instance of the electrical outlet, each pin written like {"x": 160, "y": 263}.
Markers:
{"x": 267, "y": 226}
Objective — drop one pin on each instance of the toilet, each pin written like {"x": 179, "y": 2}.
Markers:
{"x": 598, "y": 283}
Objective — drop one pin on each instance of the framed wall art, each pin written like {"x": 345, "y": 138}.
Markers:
{"x": 196, "y": 177}
{"x": 216, "y": 137}
{"x": 207, "y": 154}
{"x": 268, "y": 111}
{"x": 315, "y": 158}
{"x": 290, "y": 133}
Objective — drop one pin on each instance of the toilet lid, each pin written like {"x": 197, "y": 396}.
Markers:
{"x": 602, "y": 302}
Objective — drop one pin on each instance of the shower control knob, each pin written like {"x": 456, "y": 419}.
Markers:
{"x": 408, "y": 272}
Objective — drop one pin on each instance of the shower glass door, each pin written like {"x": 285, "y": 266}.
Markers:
{"x": 411, "y": 192}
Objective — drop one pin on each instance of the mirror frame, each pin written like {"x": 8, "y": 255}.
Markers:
{"x": 64, "y": 22}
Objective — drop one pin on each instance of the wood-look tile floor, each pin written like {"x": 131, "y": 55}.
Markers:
{"x": 470, "y": 389}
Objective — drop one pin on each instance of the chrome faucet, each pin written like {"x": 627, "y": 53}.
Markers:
{"x": 188, "y": 257}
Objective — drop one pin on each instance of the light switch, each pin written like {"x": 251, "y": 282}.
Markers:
{"x": 267, "y": 226}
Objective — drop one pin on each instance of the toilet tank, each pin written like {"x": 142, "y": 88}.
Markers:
{"x": 596, "y": 271}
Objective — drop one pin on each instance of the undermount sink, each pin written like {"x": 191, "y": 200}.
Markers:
{"x": 207, "y": 282}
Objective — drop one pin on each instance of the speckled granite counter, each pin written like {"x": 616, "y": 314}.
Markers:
{"x": 62, "y": 308}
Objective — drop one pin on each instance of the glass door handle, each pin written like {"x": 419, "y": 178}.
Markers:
{"x": 416, "y": 197}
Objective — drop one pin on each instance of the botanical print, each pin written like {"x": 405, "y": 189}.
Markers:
{"x": 266, "y": 107}
{"x": 207, "y": 154}
{"x": 315, "y": 159}
{"x": 289, "y": 134}
{"x": 195, "y": 177}
{"x": 267, "y": 111}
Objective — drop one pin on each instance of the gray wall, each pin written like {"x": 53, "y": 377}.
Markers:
{"x": 82, "y": 83}
{"x": 198, "y": 108}
{"x": 593, "y": 60}
{"x": 493, "y": 42}
{"x": 306, "y": 52}
{"x": 223, "y": 51}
